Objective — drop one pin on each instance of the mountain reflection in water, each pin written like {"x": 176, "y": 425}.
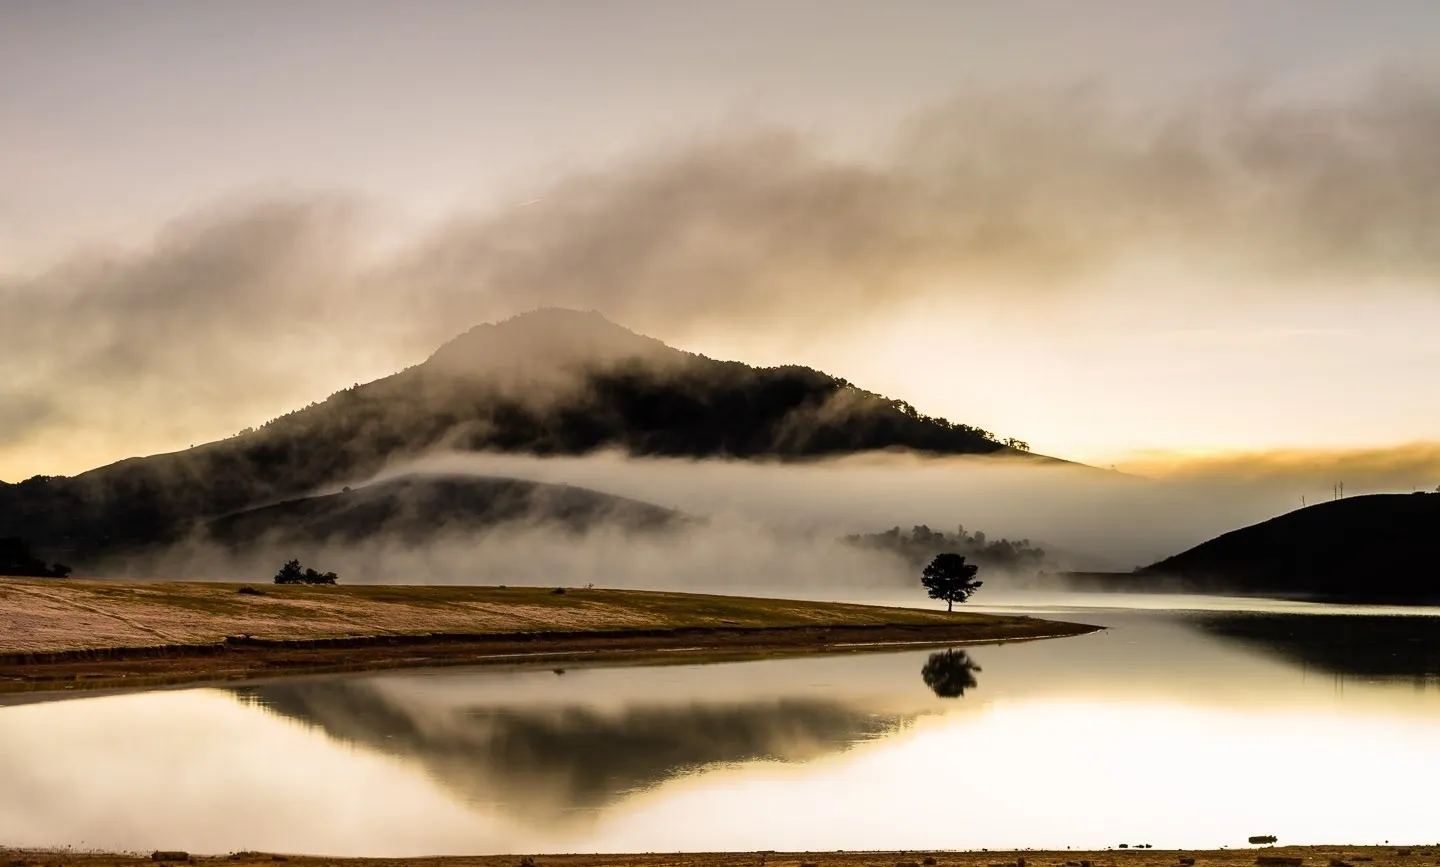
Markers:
{"x": 550, "y": 761}
{"x": 1387, "y": 647}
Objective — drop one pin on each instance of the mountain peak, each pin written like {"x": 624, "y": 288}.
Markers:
{"x": 543, "y": 341}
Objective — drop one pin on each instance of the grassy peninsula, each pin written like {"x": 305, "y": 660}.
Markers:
{"x": 73, "y": 634}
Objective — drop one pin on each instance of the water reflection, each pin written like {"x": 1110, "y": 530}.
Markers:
{"x": 1361, "y": 645}
{"x": 949, "y": 673}
{"x": 547, "y": 762}
{"x": 1173, "y": 728}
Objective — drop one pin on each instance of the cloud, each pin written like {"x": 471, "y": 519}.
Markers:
{"x": 239, "y": 310}
{"x": 23, "y": 413}
{"x": 229, "y": 310}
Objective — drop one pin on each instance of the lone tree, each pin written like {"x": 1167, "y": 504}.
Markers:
{"x": 291, "y": 573}
{"x": 950, "y": 578}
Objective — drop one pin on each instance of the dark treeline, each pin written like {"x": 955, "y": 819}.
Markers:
{"x": 17, "y": 560}
{"x": 291, "y": 573}
{"x": 922, "y": 544}
{"x": 655, "y": 402}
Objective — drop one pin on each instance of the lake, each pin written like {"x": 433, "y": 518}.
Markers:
{"x": 1177, "y": 728}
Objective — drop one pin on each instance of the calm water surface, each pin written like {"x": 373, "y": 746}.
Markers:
{"x": 1175, "y": 728}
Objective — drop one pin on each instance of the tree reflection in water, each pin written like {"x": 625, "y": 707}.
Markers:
{"x": 949, "y": 673}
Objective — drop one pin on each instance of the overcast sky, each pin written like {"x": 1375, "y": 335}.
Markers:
{"x": 1108, "y": 228}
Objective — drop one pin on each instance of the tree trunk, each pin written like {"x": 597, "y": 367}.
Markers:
{"x": 949, "y": 606}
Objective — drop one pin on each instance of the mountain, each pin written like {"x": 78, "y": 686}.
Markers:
{"x": 1376, "y": 548}
{"x": 546, "y": 383}
{"x": 420, "y": 508}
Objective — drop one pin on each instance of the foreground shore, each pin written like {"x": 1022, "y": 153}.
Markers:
{"x": 69, "y": 635}
{"x": 1280, "y": 856}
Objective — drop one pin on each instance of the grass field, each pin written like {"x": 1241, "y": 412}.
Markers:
{"x": 47, "y": 615}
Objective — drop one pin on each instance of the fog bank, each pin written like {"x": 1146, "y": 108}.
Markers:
{"x": 778, "y": 527}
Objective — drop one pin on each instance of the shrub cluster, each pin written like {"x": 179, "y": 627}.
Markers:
{"x": 291, "y": 573}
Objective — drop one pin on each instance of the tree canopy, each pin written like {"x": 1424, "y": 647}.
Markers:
{"x": 950, "y": 578}
{"x": 291, "y": 573}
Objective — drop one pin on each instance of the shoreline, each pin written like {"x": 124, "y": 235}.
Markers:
{"x": 1322, "y": 855}
{"x": 291, "y": 635}
{"x": 111, "y": 669}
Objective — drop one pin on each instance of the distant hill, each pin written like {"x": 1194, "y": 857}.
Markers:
{"x": 1382, "y": 547}
{"x": 420, "y": 508}
{"x": 548, "y": 382}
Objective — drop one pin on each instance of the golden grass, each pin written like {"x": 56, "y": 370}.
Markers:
{"x": 49, "y": 615}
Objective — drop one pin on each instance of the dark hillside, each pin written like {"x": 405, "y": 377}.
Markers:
{"x": 1383, "y": 547}
{"x": 418, "y": 509}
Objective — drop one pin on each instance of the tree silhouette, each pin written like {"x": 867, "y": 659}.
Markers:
{"x": 949, "y": 673}
{"x": 950, "y": 578}
{"x": 313, "y": 577}
{"x": 290, "y": 573}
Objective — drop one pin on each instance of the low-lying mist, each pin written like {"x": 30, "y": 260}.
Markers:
{"x": 1085, "y": 517}
{"x": 772, "y": 526}
{"x": 702, "y": 556}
